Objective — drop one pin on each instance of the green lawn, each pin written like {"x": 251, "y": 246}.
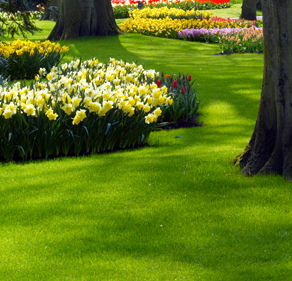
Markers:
{"x": 233, "y": 12}
{"x": 176, "y": 210}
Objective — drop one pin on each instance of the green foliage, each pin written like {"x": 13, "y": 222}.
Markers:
{"x": 26, "y": 66}
{"x": 27, "y": 137}
{"x": 236, "y": 1}
{"x": 17, "y": 19}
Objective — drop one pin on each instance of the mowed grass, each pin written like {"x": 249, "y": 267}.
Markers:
{"x": 176, "y": 210}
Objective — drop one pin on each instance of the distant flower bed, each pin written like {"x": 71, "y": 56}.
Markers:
{"x": 231, "y": 40}
{"x": 122, "y": 8}
{"x": 16, "y": 16}
{"x": 204, "y": 35}
{"x": 169, "y": 28}
{"x": 22, "y": 59}
{"x": 246, "y": 40}
{"x": 80, "y": 108}
{"x": 172, "y": 13}
{"x": 153, "y": 2}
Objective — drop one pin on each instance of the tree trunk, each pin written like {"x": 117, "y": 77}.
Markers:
{"x": 270, "y": 147}
{"x": 51, "y": 11}
{"x": 78, "y": 18}
{"x": 259, "y": 5}
{"x": 248, "y": 10}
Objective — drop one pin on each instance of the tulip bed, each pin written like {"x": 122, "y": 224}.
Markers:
{"x": 22, "y": 59}
{"x": 231, "y": 40}
{"x": 169, "y": 27}
{"x": 172, "y": 13}
{"x": 246, "y": 40}
{"x": 153, "y": 2}
{"x": 233, "y": 35}
{"x": 122, "y": 8}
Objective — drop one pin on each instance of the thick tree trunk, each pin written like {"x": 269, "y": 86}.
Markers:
{"x": 51, "y": 11}
{"x": 78, "y": 18}
{"x": 248, "y": 10}
{"x": 270, "y": 148}
{"x": 259, "y": 5}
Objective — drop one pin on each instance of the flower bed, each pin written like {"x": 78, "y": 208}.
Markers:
{"x": 172, "y": 13}
{"x": 185, "y": 106}
{"x": 153, "y": 2}
{"x": 16, "y": 16}
{"x": 246, "y": 40}
{"x": 80, "y": 108}
{"x": 169, "y": 28}
{"x": 204, "y": 34}
{"x": 23, "y": 59}
{"x": 122, "y": 8}
{"x": 231, "y": 40}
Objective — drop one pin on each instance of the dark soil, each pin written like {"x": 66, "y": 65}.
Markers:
{"x": 182, "y": 123}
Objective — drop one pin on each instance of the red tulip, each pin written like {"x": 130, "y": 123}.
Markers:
{"x": 158, "y": 83}
{"x": 174, "y": 83}
{"x": 182, "y": 90}
{"x": 190, "y": 77}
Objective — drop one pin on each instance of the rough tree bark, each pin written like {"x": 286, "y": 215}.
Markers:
{"x": 270, "y": 147}
{"x": 51, "y": 11}
{"x": 259, "y": 5}
{"x": 78, "y": 18}
{"x": 248, "y": 9}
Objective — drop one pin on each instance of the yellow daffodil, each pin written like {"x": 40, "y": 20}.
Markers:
{"x": 30, "y": 110}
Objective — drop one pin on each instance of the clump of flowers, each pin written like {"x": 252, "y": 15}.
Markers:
{"x": 22, "y": 59}
{"x": 246, "y": 40}
{"x": 185, "y": 104}
{"x": 81, "y": 107}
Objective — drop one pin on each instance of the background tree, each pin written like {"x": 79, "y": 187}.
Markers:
{"x": 248, "y": 9}
{"x": 19, "y": 18}
{"x": 259, "y": 5}
{"x": 79, "y": 18}
{"x": 32, "y": 4}
{"x": 51, "y": 11}
{"x": 270, "y": 147}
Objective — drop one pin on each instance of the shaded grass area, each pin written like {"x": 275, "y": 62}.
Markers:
{"x": 177, "y": 209}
